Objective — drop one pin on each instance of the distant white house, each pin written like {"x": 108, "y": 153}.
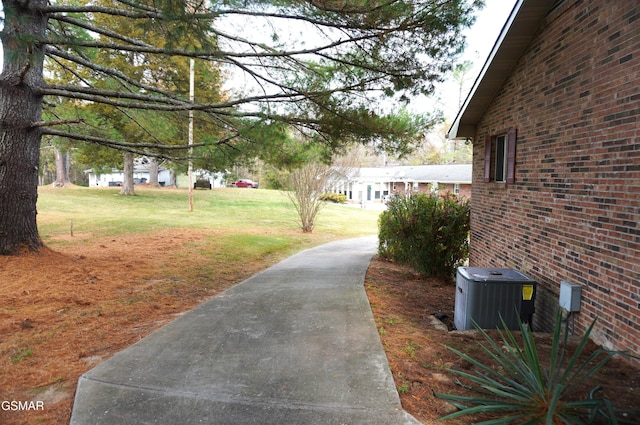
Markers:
{"x": 141, "y": 175}
{"x": 375, "y": 183}
{"x": 116, "y": 177}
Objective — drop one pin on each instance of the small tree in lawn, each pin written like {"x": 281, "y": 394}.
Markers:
{"x": 311, "y": 177}
{"x": 307, "y": 185}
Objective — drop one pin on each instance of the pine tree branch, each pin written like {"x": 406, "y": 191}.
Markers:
{"x": 116, "y": 143}
{"x": 260, "y": 50}
{"x": 90, "y": 27}
{"x": 108, "y": 71}
{"x": 136, "y": 13}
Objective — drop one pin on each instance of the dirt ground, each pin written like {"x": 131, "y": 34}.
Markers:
{"x": 64, "y": 311}
{"x": 405, "y": 306}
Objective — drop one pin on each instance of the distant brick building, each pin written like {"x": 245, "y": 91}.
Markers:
{"x": 373, "y": 184}
{"x": 555, "y": 123}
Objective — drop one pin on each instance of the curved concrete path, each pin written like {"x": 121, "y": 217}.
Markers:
{"x": 295, "y": 344}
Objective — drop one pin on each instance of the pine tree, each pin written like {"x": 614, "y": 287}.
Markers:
{"x": 320, "y": 67}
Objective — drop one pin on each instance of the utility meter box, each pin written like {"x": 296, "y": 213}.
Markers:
{"x": 484, "y": 295}
{"x": 570, "y": 296}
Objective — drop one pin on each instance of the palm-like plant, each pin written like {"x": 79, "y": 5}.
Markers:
{"x": 523, "y": 391}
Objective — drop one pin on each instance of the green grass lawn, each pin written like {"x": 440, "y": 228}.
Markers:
{"x": 259, "y": 222}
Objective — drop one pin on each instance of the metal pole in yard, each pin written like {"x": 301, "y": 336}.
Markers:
{"x": 191, "y": 97}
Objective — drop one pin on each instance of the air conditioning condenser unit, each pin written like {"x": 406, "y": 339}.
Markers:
{"x": 484, "y": 295}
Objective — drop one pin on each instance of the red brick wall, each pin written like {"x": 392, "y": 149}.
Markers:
{"x": 573, "y": 212}
{"x": 403, "y": 188}
{"x": 465, "y": 189}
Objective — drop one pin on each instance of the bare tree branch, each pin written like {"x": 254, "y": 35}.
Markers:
{"x": 57, "y": 122}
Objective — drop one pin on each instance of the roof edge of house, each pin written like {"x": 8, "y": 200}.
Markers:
{"x": 514, "y": 38}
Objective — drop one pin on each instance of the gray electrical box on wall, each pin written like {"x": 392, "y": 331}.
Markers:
{"x": 485, "y": 295}
{"x": 570, "y": 296}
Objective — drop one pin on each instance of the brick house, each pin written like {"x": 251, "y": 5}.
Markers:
{"x": 444, "y": 178}
{"x": 373, "y": 184}
{"x": 554, "y": 117}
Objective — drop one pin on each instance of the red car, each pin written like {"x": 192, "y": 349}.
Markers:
{"x": 245, "y": 183}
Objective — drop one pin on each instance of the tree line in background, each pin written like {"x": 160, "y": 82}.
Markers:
{"x": 60, "y": 165}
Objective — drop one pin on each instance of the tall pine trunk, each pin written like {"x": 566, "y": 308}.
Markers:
{"x": 20, "y": 114}
{"x": 154, "y": 168}
{"x": 127, "y": 175}
{"x": 62, "y": 167}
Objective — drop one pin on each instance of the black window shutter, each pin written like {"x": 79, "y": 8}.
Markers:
{"x": 511, "y": 156}
{"x": 487, "y": 159}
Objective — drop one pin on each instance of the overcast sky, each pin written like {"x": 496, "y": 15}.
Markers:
{"x": 480, "y": 40}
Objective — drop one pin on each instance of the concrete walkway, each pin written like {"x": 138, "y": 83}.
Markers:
{"x": 295, "y": 344}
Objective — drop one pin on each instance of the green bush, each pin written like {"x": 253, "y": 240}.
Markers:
{"x": 428, "y": 232}
{"x": 521, "y": 390}
{"x": 334, "y": 197}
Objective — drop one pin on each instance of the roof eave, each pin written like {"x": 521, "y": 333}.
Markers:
{"x": 514, "y": 38}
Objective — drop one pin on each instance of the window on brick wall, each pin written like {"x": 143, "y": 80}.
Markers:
{"x": 500, "y": 157}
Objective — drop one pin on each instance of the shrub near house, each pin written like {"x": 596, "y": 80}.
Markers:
{"x": 428, "y": 232}
{"x": 336, "y": 198}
